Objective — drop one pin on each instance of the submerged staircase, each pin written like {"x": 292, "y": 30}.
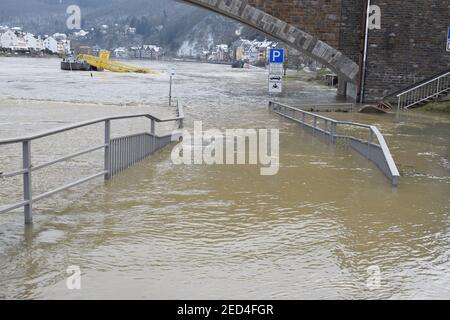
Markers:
{"x": 424, "y": 92}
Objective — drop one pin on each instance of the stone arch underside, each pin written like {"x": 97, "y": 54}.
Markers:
{"x": 298, "y": 39}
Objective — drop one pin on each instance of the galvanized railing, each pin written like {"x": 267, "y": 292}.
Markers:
{"x": 424, "y": 92}
{"x": 328, "y": 129}
{"x": 119, "y": 154}
{"x": 328, "y": 107}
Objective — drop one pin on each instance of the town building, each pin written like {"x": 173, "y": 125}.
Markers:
{"x": 254, "y": 52}
{"x": 34, "y": 43}
{"x": 63, "y": 47}
{"x": 13, "y": 40}
{"x": 51, "y": 45}
{"x": 120, "y": 53}
{"x": 221, "y": 53}
{"x": 8, "y": 39}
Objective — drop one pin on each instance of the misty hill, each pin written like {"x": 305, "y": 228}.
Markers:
{"x": 167, "y": 23}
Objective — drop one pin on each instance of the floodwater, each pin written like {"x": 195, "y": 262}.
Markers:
{"x": 323, "y": 227}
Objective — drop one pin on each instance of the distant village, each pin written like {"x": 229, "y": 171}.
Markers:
{"x": 15, "y": 41}
{"x": 249, "y": 51}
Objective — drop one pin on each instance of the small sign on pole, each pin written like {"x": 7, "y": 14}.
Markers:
{"x": 276, "y": 59}
{"x": 276, "y": 69}
{"x": 275, "y": 85}
{"x": 172, "y": 74}
{"x": 276, "y": 56}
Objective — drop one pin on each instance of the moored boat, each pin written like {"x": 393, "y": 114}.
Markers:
{"x": 71, "y": 64}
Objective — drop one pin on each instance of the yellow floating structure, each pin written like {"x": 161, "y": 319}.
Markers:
{"x": 103, "y": 62}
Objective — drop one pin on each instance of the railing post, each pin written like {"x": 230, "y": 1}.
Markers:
{"x": 333, "y": 132}
{"x": 27, "y": 186}
{"x": 152, "y": 129}
{"x": 369, "y": 143}
{"x": 108, "y": 149}
{"x": 153, "y": 132}
{"x": 181, "y": 121}
{"x": 438, "y": 83}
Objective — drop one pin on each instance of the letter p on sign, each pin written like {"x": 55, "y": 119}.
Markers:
{"x": 276, "y": 55}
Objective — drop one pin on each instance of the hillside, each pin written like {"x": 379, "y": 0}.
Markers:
{"x": 176, "y": 26}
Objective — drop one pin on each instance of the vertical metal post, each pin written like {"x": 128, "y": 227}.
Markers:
{"x": 27, "y": 186}
{"x": 153, "y": 132}
{"x": 170, "y": 89}
{"x": 437, "y": 92}
{"x": 369, "y": 143}
{"x": 333, "y": 131}
{"x": 152, "y": 129}
{"x": 108, "y": 149}
{"x": 181, "y": 123}
{"x": 364, "y": 60}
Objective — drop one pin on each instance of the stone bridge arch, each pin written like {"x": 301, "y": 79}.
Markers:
{"x": 246, "y": 12}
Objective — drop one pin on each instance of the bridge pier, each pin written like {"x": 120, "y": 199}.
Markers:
{"x": 342, "y": 89}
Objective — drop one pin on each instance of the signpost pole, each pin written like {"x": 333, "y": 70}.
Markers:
{"x": 172, "y": 73}
{"x": 276, "y": 60}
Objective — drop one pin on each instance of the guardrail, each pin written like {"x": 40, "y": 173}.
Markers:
{"x": 119, "y": 154}
{"x": 327, "y": 128}
{"x": 329, "y": 107}
{"x": 424, "y": 92}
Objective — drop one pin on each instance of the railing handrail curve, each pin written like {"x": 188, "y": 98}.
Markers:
{"x": 393, "y": 170}
{"x": 83, "y": 124}
{"x": 423, "y": 84}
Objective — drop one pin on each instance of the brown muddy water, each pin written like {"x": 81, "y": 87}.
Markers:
{"x": 314, "y": 230}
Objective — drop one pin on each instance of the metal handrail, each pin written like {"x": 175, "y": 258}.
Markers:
{"x": 387, "y": 166}
{"x": 85, "y": 124}
{"x": 134, "y": 153}
{"x": 423, "y": 84}
{"x": 348, "y": 106}
{"x": 424, "y": 91}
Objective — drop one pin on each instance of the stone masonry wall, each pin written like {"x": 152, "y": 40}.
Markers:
{"x": 410, "y": 47}
{"x": 320, "y": 18}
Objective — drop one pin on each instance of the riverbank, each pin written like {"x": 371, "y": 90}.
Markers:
{"x": 437, "y": 107}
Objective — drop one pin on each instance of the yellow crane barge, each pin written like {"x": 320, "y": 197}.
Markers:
{"x": 103, "y": 62}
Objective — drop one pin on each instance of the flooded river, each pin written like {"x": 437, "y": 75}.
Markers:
{"x": 317, "y": 229}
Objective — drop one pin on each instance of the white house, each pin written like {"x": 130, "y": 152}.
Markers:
{"x": 33, "y": 42}
{"x": 13, "y": 41}
{"x": 39, "y": 44}
{"x": 8, "y": 39}
{"x": 63, "y": 47}
{"x": 21, "y": 44}
{"x": 51, "y": 44}
{"x": 120, "y": 53}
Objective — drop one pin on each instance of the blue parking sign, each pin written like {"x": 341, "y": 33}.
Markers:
{"x": 276, "y": 56}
